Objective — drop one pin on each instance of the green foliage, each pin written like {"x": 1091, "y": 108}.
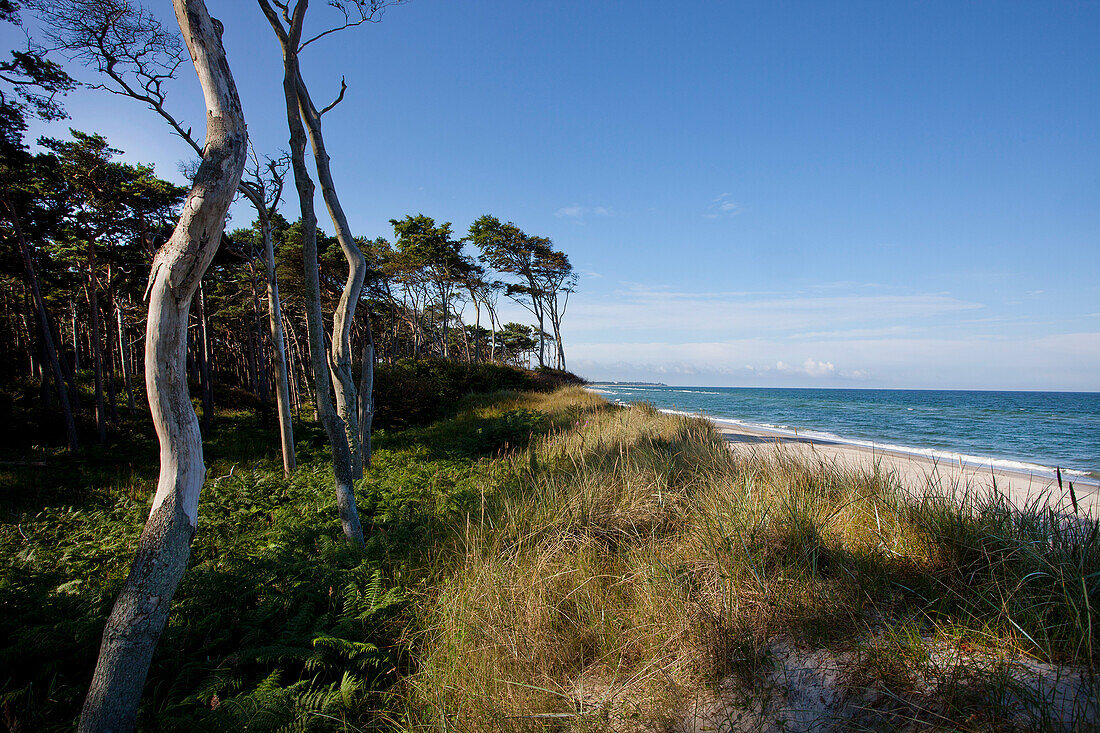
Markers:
{"x": 509, "y": 548}
{"x": 417, "y": 392}
{"x": 278, "y": 624}
{"x": 276, "y": 618}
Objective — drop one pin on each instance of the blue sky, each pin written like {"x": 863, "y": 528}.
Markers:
{"x": 793, "y": 194}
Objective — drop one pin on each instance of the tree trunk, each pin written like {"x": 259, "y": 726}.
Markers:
{"x": 493, "y": 336}
{"x": 342, "y": 319}
{"x": 252, "y": 360}
{"x": 139, "y": 614}
{"x": 345, "y": 470}
{"x": 555, "y": 323}
{"x": 275, "y": 325}
{"x": 76, "y": 339}
{"x": 34, "y": 372}
{"x": 295, "y": 364}
{"x": 124, "y": 354}
{"x": 477, "y": 328}
{"x": 366, "y": 398}
{"x": 97, "y": 346}
{"x": 542, "y": 341}
{"x": 446, "y": 324}
{"x": 112, "y": 391}
{"x": 202, "y": 356}
{"x": 44, "y": 324}
{"x": 261, "y": 374}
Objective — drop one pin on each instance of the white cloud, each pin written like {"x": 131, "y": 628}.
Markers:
{"x": 856, "y": 333}
{"x": 1064, "y": 361}
{"x": 576, "y": 211}
{"x": 648, "y": 312}
{"x": 810, "y": 368}
{"x": 722, "y": 205}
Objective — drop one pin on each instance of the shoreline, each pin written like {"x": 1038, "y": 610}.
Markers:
{"x": 932, "y": 443}
{"x": 938, "y": 456}
{"x": 918, "y": 471}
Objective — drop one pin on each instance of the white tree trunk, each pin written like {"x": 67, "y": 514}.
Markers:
{"x": 344, "y": 315}
{"x": 366, "y": 399}
{"x": 282, "y": 382}
{"x": 124, "y": 357}
{"x": 139, "y": 614}
{"x": 345, "y": 470}
{"x": 275, "y": 325}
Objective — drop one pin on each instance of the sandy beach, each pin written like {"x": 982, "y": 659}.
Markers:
{"x": 920, "y": 473}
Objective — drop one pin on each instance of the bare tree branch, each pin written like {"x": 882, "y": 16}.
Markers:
{"x": 368, "y": 11}
{"x": 274, "y": 18}
{"x": 339, "y": 97}
{"x": 125, "y": 43}
{"x": 278, "y": 169}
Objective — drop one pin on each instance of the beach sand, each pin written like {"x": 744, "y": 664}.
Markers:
{"x": 921, "y": 474}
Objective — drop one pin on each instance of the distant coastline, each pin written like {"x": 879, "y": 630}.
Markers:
{"x": 628, "y": 384}
{"x": 1021, "y": 431}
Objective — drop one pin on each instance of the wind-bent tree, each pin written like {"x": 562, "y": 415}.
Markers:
{"x": 440, "y": 256}
{"x": 557, "y": 282}
{"x": 265, "y": 192}
{"x": 136, "y": 56}
{"x": 544, "y": 278}
{"x": 139, "y": 614}
{"x": 507, "y": 249}
{"x": 334, "y": 374}
{"x": 517, "y": 342}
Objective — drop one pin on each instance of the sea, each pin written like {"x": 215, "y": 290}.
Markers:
{"x": 1034, "y": 432}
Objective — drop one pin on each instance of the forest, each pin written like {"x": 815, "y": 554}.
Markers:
{"x": 283, "y": 477}
{"x": 90, "y": 226}
{"x": 122, "y": 289}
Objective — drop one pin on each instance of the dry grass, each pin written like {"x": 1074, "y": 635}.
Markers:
{"x": 628, "y": 562}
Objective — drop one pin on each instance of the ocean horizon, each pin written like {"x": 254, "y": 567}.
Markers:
{"x": 1031, "y": 431}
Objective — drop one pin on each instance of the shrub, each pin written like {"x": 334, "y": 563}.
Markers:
{"x": 419, "y": 391}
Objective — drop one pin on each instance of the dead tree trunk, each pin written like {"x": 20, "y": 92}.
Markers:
{"x": 366, "y": 397}
{"x": 347, "y": 465}
{"x": 342, "y": 319}
{"x": 139, "y": 614}
{"x": 275, "y": 325}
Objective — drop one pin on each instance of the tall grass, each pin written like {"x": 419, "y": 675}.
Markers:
{"x": 632, "y": 560}
{"x": 549, "y": 561}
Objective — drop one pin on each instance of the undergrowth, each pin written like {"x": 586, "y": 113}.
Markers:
{"x": 549, "y": 561}
{"x": 633, "y": 560}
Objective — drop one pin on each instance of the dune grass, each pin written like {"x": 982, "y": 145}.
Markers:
{"x": 632, "y": 560}
{"x": 547, "y": 561}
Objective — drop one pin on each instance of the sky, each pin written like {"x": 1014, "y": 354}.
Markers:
{"x": 800, "y": 194}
